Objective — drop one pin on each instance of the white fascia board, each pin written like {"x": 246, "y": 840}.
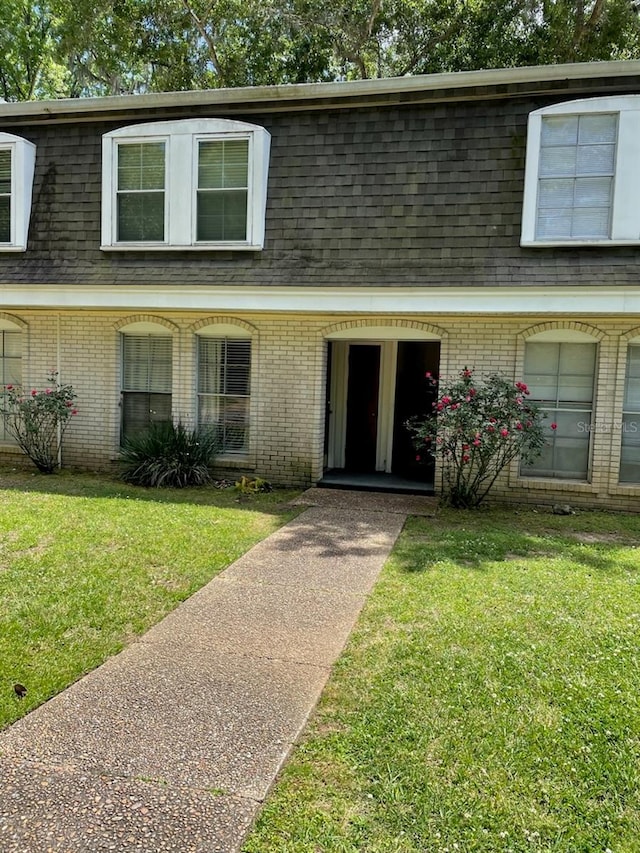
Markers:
{"x": 392, "y": 300}
{"x": 279, "y": 96}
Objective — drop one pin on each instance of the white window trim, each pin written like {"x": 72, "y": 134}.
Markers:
{"x": 625, "y": 215}
{"x": 182, "y": 139}
{"x": 23, "y": 162}
{"x": 231, "y": 330}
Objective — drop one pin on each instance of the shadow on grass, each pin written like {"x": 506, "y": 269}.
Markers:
{"x": 105, "y": 486}
{"x": 475, "y": 540}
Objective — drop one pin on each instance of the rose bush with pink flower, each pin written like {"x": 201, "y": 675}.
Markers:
{"x": 38, "y": 420}
{"x": 476, "y": 429}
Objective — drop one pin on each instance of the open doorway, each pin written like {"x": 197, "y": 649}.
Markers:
{"x": 373, "y": 389}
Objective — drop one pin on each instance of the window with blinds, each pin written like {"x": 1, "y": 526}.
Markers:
{"x": 10, "y": 371}
{"x": 630, "y": 449}
{"x": 576, "y": 172}
{"x": 224, "y": 372}
{"x": 561, "y": 377}
{"x": 5, "y": 195}
{"x": 223, "y": 186}
{"x": 141, "y": 192}
{"x": 198, "y": 184}
{"x": 146, "y": 382}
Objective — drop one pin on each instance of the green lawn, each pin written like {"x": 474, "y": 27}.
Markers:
{"x": 489, "y": 699}
{"x": 88, "y": 563}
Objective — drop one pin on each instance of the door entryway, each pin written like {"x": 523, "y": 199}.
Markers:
{"x": 363, "y": 386}
{"x": 373, "y": 389}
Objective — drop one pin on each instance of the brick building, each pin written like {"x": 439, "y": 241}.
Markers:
{"x": 286, "y": 262}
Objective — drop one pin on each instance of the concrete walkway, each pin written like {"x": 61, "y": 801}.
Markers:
{"x": 173, "y": 744}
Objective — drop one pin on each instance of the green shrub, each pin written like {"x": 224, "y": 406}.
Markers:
{"x": 477, "y": 428}
{"x": 37, "y": 420}
{"x": 249, "y": 486}
{"x": 169, "y": 455}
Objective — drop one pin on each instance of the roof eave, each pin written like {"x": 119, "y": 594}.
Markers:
{"x": 316, "y": 95}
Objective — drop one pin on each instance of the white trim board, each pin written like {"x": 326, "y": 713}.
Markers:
{"x": 425, "y": 301}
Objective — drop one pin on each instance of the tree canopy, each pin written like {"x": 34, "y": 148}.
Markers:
{"x": 75, "y": 48}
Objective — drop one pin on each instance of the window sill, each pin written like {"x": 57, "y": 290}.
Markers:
{"x": 12, "y": 248}
{"x": 233, "y": 461}
{"x": 630, "y": 489}
{"x": 550, "y": 244}
{"x": 187, "y": 247}
{"x": 549, "y": 484}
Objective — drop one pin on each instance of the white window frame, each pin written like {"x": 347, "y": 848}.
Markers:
{"x": 625, "y": 213}
{"x": 565, "y": 336}
{"x": 228, "y": 331}
{"x": 5, "y": 329}
{"x": 627, "y": 411}
{"x": 23, "y": 161}
{"x": 181, "y": 181}
{"x": 141, "y": 330}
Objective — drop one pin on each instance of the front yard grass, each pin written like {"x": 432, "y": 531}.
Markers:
{"x": 489, "y": 699}
{"x": 88, "y": 563}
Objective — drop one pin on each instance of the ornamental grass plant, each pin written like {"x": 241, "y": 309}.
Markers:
{"x": 169, "y": 455}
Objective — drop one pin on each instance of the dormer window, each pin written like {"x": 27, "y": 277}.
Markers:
{"x": 17, "y": 164}
{"x": 581, "y": 181}
{"x": 193, "y": 184}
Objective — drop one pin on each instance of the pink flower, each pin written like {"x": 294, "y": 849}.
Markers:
{"x": 427, "y": 375}
{"x": 33, "y": 392}
{"x": 492, "y": 420}
{"x": 74, "y": 411}
{"x": 519, "y": 425}
{"x": 9, "y": 387}
{"x": 476, "y": 442}
{"x": 491, "y": 428}
{"x": 455, "y": 406}
{"x": 439, "y": 407}
{"x": 445, "y": 400}
{"x": 473, "y": 392}
{"x": 418, "y": 458}
{"x": 466, "y": 458}
{"x": 467, "y": 399}
{"x": 465, "y": 446}
{"x": 47, "y": 390}
{"x": 554, "y": 425}
{"x": 521, "y": 386}
{"x": 466, "y": 372}
{"x": 504, "y": 432}
{"x": 529, "y": 423}
{"x": 519, "y": 401}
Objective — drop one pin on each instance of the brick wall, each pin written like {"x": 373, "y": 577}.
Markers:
{"x": 288, "y": 386}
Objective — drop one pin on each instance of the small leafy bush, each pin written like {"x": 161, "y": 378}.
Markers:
{"x": 248, "y": 486}
{"x": 476, "y": 429}
{"x": 169, "y": 455}
{"x": 38, "y": 420}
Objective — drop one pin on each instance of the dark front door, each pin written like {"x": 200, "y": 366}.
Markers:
{"x": 414, "y": 396}
{"x": 362, "y": 407}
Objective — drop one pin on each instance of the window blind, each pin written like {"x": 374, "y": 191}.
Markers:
{"x": 10, "y": 370}
{"x": 5, "y": 195}
{"x": 630, "y": 442}
{"x": 576, "y": 171}
{"x": 223, "y": 176}
{"x": 140, "y": 197}
{"x": 146, "y": 382}
{"x": 560, "y": 377}
{"x": 224, "y": 372}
